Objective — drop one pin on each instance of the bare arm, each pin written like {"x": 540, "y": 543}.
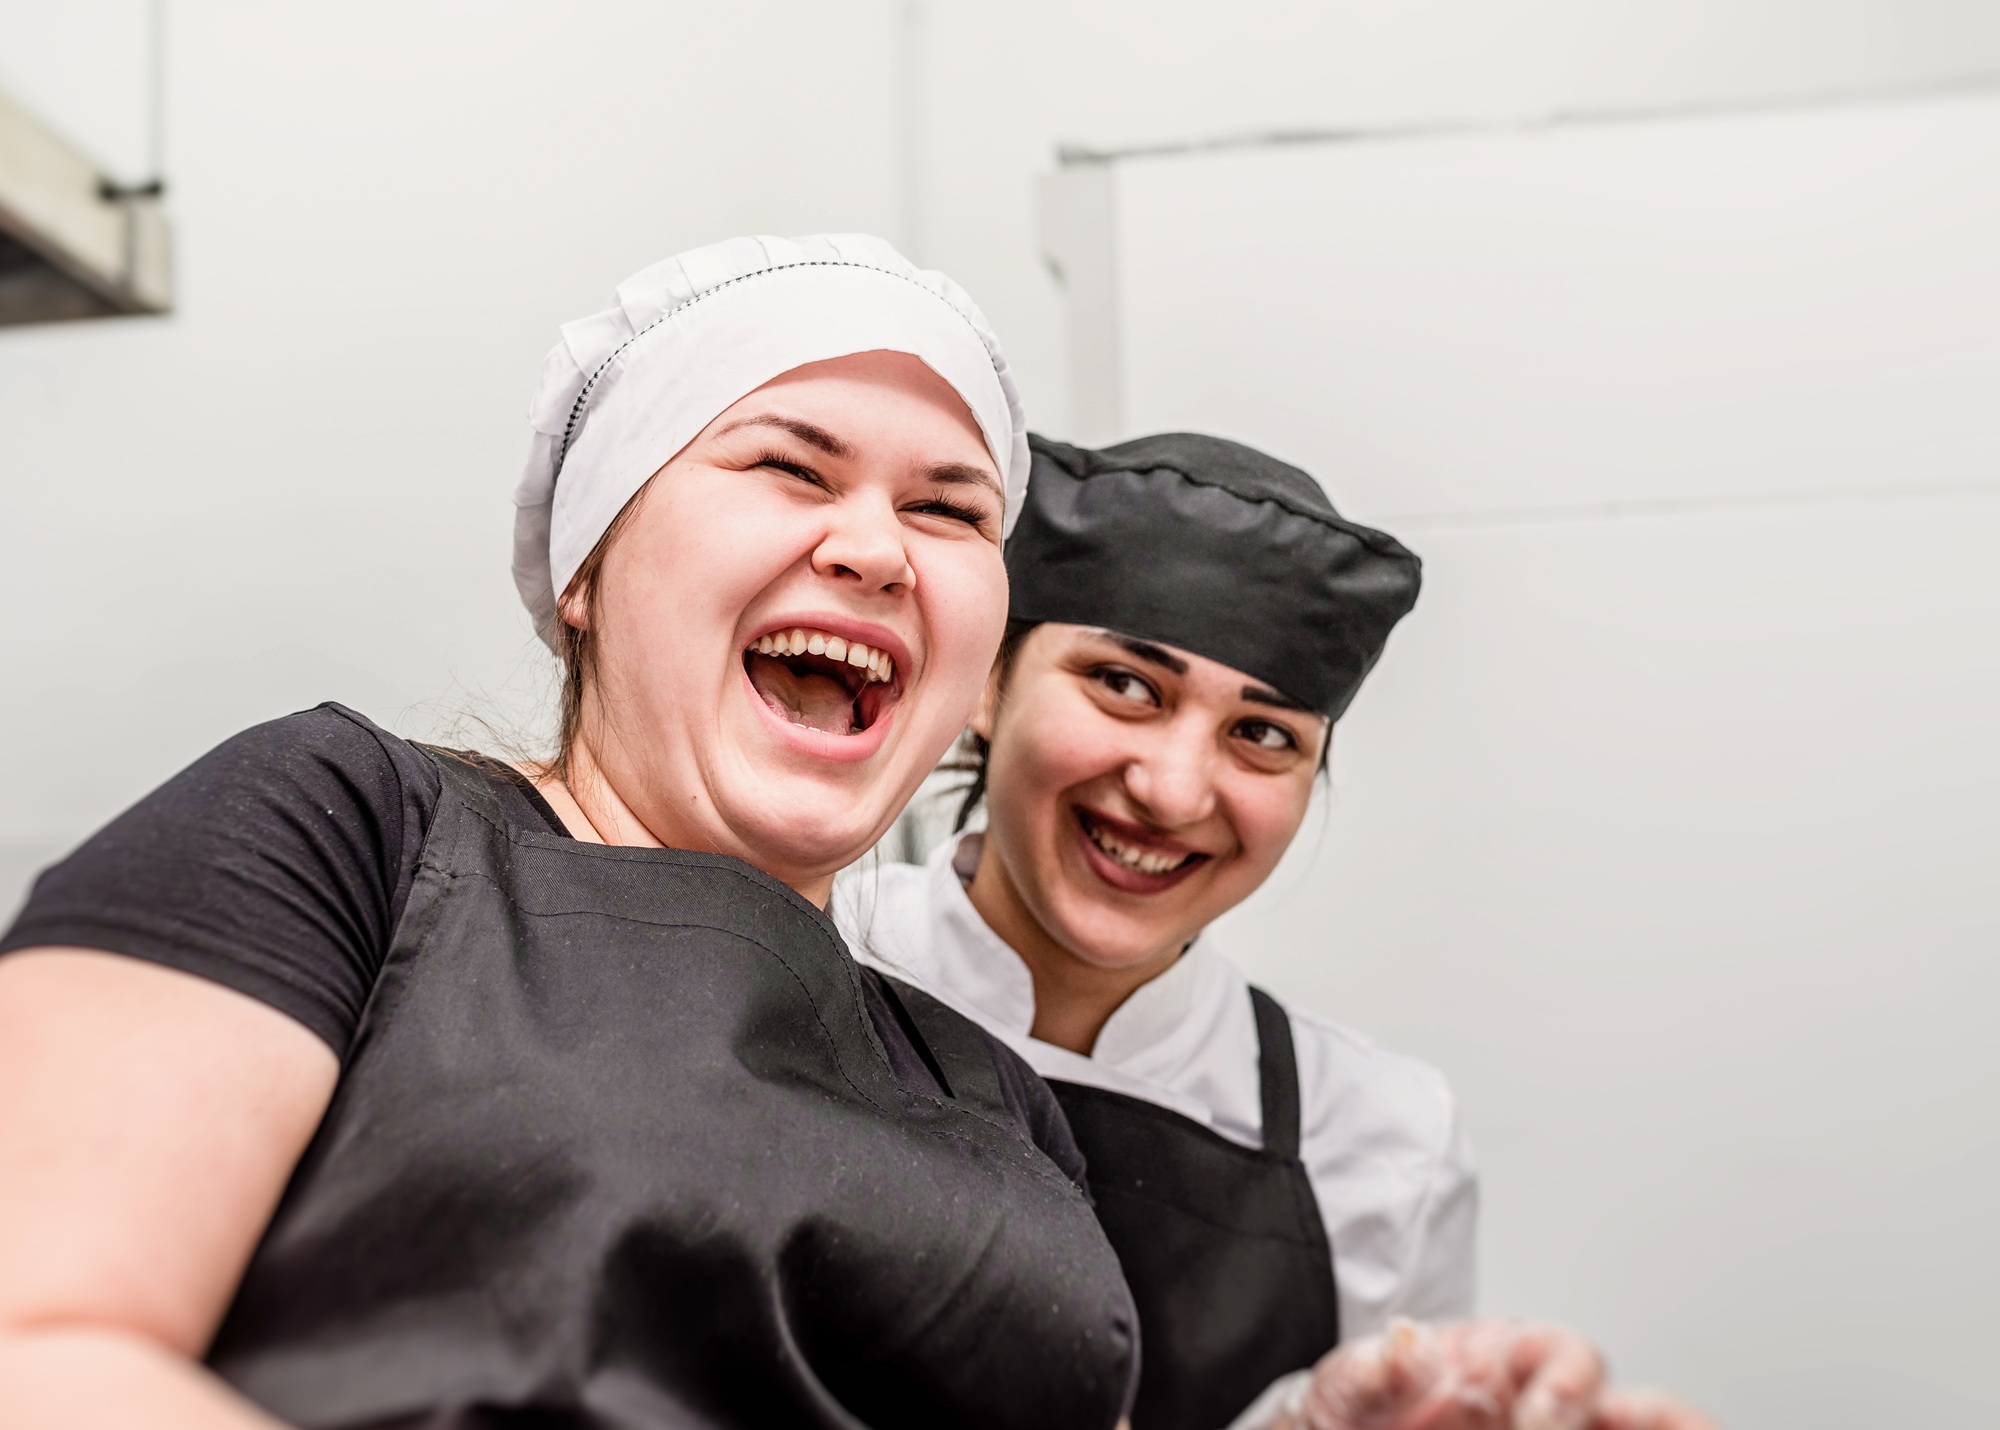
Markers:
{"x": 149, "y": 1121}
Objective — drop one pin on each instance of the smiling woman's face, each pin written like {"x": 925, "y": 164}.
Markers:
{"x": 797, "y": 616}
{"x": 1135, "y": 792}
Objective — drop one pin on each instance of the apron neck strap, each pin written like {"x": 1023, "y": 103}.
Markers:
{"x": 1278, "y": 1074}
{"x": 468, "y": 776}
{"x": 960, "y": 1056}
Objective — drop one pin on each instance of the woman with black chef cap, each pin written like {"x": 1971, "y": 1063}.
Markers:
{"x": 349, "y": 1082}
{"x": 1189, "y": 619}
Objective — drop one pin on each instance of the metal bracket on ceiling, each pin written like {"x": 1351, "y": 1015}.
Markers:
{"x": 74, "y": 243}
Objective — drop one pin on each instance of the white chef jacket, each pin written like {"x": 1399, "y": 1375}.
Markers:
{"x": 1378, "y": 1132}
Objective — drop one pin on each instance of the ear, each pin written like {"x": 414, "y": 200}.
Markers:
{"x": 573, "y": 606}
{"x": 988, "y": 710}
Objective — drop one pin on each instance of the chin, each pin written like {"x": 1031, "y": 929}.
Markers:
{"x": 816, "y": 799}
{"x": 804, "y": 836}
{"x": 1107, "y": 941}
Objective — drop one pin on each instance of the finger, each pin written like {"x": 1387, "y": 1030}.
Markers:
{"x": 1470, "y": 1386}
{"x": 1374, "y": 1383}
{"x": 1647, "y": 1410}
{"x": 1469, "y": 1406}
{"x": 1560, "y": 1374}
{"x": 1483, "y": 1353}
{"x": 1476, "y": 1383}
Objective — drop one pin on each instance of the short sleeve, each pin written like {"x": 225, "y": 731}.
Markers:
{"x": 276, "y": 865}
{"x": 1034, "y": 1106}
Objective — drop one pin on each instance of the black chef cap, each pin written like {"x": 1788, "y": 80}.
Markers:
{"x": 1213, "y": 547}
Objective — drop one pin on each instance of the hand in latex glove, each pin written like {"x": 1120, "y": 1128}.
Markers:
{"x": 1646, "y": 1410}
{"x": 1475, "y": 1375}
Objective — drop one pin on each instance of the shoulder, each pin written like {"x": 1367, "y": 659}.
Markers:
{"x": 276, "y": 864}
{"x": 289, "y": 779}
{"x": 1367, "y": 1110}
{"x": 1387, "y": 1154}
{"x": 328, "y": 740}
{"x": 1349, "y": 1078}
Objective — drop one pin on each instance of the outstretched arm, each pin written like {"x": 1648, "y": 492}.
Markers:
{"x": 149, "y": 1121}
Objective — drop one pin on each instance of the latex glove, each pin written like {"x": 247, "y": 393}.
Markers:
{"x": 1468, "y": 1375}
{"x": 1647, "y": 1410}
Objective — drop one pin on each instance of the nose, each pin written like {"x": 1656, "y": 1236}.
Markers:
{"x": 1173, "y": 778}
{"x": 864, "y": 544}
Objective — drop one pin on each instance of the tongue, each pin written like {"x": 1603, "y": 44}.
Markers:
{"x": 818, "y": 702}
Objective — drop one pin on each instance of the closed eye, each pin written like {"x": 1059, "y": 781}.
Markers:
{"x": 790, "y": 468}
{"x": 956, "y": 511}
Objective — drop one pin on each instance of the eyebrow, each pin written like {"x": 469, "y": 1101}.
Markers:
{"x": 809, "y": 433}
{"x": 962, "y": 474}
{"x": 816, "y": 436}
{"x": 1148, "y": 652}
{"x": 1160, "y": 656}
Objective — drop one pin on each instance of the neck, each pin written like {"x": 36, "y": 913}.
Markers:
{"x": 593, "y": 811}
{"x": 1074, "y": 999}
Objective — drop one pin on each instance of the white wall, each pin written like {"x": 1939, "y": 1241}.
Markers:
{"x": 1666, "y": 825}
{"x": 1004, "y": 85}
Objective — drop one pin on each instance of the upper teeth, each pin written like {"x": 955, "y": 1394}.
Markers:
{"x": 799, "y": 641}
{"x": 1132, "y": 858}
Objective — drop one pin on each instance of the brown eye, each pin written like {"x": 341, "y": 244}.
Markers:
{"x": 1125, "y": 685}
{"x": 1266, "y": 735}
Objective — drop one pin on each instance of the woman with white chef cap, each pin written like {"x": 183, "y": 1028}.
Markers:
{"x": 1189, "y": 619}
{"x": 349, "y": 1082}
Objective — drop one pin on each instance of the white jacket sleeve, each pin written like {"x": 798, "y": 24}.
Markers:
{"x": 1440, "y": 1281}
{"x": 1392, "y": 1170}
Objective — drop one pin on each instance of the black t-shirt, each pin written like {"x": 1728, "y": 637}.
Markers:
{"x": 278, "y": 865}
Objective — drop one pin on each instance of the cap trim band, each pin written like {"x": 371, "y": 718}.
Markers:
{"x": 590, "y": 382}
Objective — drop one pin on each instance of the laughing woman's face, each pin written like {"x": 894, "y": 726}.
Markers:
{"x": 798, "y": 615}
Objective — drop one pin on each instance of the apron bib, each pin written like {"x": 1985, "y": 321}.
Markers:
{"x": 617, "y": 1147}
{"x": 1223, "y": 1245}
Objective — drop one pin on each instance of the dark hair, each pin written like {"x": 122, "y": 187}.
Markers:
{"x": 978, "y": 750}
{"x": 577, "y": 646}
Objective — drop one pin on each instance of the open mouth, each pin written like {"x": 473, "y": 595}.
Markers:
{"x": 822, "y": 681}
{"x": 1152, "y": 863}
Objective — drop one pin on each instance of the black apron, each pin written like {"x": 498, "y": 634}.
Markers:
{"x": 1222, "y": 1244}
{"x": 617, "y": 1145}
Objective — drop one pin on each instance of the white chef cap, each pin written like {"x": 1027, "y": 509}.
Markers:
{"x": 629, "y": 387}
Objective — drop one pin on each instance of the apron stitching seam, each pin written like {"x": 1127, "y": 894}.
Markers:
{"x": 1050, "y": 1174}
{"x": 505, "y": 831}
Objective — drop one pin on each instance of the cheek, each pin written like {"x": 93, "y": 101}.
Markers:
{"x": 962, "y": 591}
{"x": 1265, "y": 814}
{"x": 699, "y": 551}
{"x": 1051, "y": 742}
